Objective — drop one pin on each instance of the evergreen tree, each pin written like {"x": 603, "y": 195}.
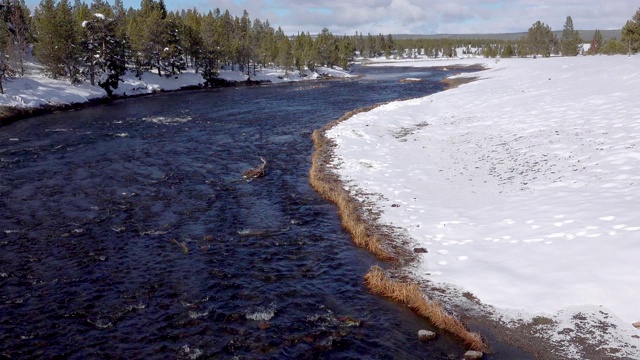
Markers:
{"x": 326, "y": 48}
{"x": 57, "y": 43}
{"x": 284, "y": 58}
{"x": 613, "y": 47}
{"x": 570, "y": 42}
{"x": 48, "y": 43}
{"x": 210, "y": 48}
{"x": 135, "y": 31}
{"x": 631, "y": 33}
{"x": 103, "y": 62}
{"x": 597, "y": 43}
{"x": 172, "y": 58}
{"x": 6, "y": 71}
{"x": 345, "y": 52}
{"x": 69, "y": 36}
{"x": 507, "y": 51}
{"x": 17, "y": 15}
{"x": 540, "y": 40}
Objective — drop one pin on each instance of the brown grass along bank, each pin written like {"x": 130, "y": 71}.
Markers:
{"x": 328, "y": 185}
{"x": 411, "y": 295}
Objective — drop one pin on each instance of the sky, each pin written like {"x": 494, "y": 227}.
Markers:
{"x": 421, "y": 16}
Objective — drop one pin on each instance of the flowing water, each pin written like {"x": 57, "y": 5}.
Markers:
{"x": 127, "y": 232}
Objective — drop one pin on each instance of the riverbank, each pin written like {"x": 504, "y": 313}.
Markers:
{"x": 525, "y": 179}
{"x": 35, "y": 94}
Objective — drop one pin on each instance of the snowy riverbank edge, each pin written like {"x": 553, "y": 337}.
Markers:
{"x": 521, "y": 255}
{"x": 35, "y": 94}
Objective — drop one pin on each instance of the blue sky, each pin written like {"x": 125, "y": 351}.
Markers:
{"x": 420, "y": 16}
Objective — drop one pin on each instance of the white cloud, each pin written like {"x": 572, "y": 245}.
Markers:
{"x": 422, "y": 16}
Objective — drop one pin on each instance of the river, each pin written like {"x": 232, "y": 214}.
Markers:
{"x": 126, "y": 231}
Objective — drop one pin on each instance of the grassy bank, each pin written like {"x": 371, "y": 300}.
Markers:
{"x": 351, "y": 212}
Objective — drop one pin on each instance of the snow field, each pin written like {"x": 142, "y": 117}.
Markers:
{"x": 523, "y": 186}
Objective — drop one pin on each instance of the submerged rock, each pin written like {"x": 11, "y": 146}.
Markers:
{"x": 426, "y": 335}
{"x": 472, "y": 354}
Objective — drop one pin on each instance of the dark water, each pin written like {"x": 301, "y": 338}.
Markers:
{"x": 95, "y": 203}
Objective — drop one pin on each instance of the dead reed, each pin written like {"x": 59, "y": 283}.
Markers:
{"x": 411, "y": 295}
{"x": 327, "y": 184}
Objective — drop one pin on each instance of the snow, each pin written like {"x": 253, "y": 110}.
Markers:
{"x": 36, "y": 89}
{"x": 523, "y": 186}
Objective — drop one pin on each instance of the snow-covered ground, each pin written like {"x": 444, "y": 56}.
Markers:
{"x": 36, "y": 90}
{"x": 524, "y": 187}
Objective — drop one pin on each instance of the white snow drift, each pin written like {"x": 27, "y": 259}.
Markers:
{"x": 524, "y": 186}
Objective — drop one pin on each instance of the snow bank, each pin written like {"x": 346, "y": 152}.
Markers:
{"x": 523, "y": 186}
{"x": 35, "y": 89}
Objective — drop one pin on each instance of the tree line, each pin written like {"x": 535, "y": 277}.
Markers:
{"x": 98, "y": 42}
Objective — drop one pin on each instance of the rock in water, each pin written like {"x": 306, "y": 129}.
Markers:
{"x": 472, "y": 354}
{"x": 636, "y": 325}
{"x": 426, "y": 335}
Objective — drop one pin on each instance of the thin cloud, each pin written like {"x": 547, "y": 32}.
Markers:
{"x": 421, "y": 16}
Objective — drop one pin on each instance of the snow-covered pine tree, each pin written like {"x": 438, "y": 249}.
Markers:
{"x": 172, "y": 58}
{"x": 102, "y": 61}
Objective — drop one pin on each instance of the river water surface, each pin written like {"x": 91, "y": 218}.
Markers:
{"x": 98, "y": 208}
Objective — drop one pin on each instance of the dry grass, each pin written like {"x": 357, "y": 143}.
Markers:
{"x": 410, "y": 294}
{"x": 328, "y": 186}
{"x": 455, "y": 82}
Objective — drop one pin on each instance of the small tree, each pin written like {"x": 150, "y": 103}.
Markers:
{"x": 613, "y": 47}
{"x": 631, "y": 33}
{"x": 507, "y": 51}
{"x": 597, "y": 43}
{"x": 570, "y": 42}
{"x": 541, "y": 40}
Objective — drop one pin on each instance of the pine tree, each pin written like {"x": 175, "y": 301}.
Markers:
{"x": 6, "y": 71}
{"x": 597, "y": 43}
{"x": 47, "y": 40}
{"x": 540, "y": 40}
{"x": 570, "y": 42}
{"x": 172, "y": 58}
{"x": 326, "y": 48}
{"x": 507, "y": 51}
{"x": 613, "y": 47}
{"x": 70, "y": 43}
{"x": 191, "y": 41}
{"x": 345, "y": 52}
{"x": 16, "y": 15}
{"x": 284, "y": 58}
{"x": 103, "y": 62}
{"x": 631, "y": 33}
{"x": 210, "y": 48}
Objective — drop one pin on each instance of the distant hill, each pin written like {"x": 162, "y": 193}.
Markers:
{"x": 586, "y": 35}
